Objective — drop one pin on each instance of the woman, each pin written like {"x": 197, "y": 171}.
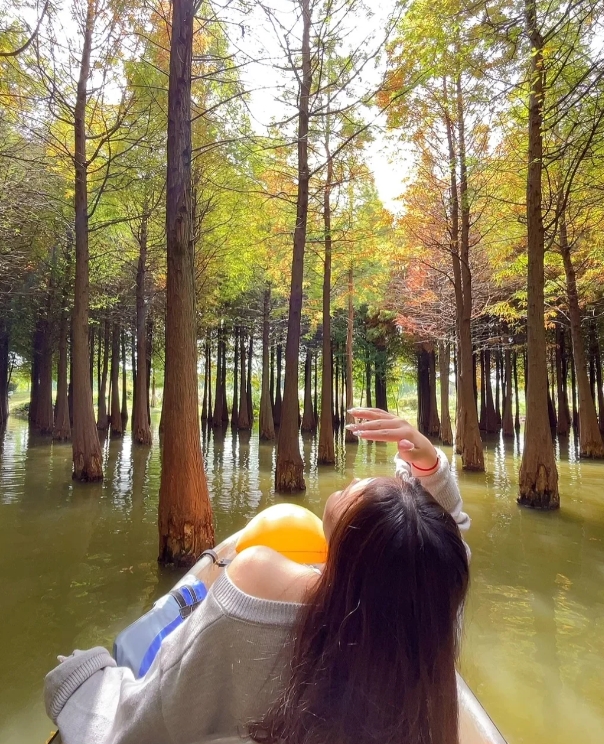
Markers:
{"x": 363, "y": 651}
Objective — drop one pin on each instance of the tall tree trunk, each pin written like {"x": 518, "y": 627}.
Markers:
{"x": 598, "y": 367}
{"x": 87, "y": 462}
{"x": 218, "y": 395}
{"x": 250, "y": 357}
{"x": 34, "y": 382}
{"x": 467, "y": 431}
{"x": 538, "y": 473}
{"x": 491, "y": 414}
{"x": 4, "y": 370}
{"x": 206, "y": 371}
{"x": 472, "y": 455}
{"x": 335, "y": 379}
{"x": 592, "y": 370}
{"x": 235, "y": 406}
{"x": 516, "y": 396}
{"x": 551, "y": 411}
{"x": 225, "y": 404}
{"x": 289, "y": 472}
{"x": 474, "y": 382}
{"x": 134, "y": 373}
{"x": 590, "y": 438}
{"x": 444, "y": 361}
{"x": 124, "y": 385}
{"x": 315, "y": 404}
{"x": 266, "y": 423}
{"x": 308, "y": 418}
{"x": 368, "y": 385}
{"x": 483, "y": 393}
{"x": 99, "y": 364}
{"x": 206, "y": 410}
{"x": 508, "y": 419}
{"x": 272, "y": 382}
{"x": 185, "y": 514}
{"x": 349, "y": 437}
{"x": 458, "y": 440}
{"x": 102, "y": 418}
{"x": 244, "y": 421}
{"x": 381, "y": 390}
{"x": 343, "y": 389}
{"x": 149, "y": 364}
{"x": 563, "y": 413}
{"x": 573, "y": 382}
{"x": 91, "y": 357}
{"x": 210, "y": 404}
{"x": 278, "y": 398}
{"x": 44, "y": 419}
{"x": 499, "y": 382}
{"x": 423, "y": 391}
{"x": 116, "y": 413}
{"x": 434, "y": 423}
{"x": 141, "y": 430}
{"x": 326, "y": 451}
{"x": 70, "y": 386}
{"x": 62, "y": 428}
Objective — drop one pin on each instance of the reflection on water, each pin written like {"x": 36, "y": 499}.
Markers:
{"x": 77, "y": 563}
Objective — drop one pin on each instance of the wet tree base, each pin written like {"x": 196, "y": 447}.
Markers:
{"x": 91, "y": 474}
{"x": 326, "y": 459}
{"x": 183, "y": 544}
{"x": 472, "y": 456}
{"x": 177, "y": 561}
{"x": 593, "y": 452}
{"x": 471, "y": 467}
{"x": 141, "y": 434}
{"x": 87, "y": 477}
{"x": 289, "y": 477}
{"x": 538, "y": 484}
{"x": 541, "y": 501}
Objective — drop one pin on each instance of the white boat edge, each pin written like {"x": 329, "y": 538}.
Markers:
{"x": 475, "y": 725}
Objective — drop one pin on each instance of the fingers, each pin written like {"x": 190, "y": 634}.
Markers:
{"x": 380, "y": 435}
{"x": 405, "y": 445}
{"x": 381, "y": 423}
{"x": 370, "y": 414}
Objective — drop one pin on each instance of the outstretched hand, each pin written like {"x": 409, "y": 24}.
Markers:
{"x": 381, "y": 426}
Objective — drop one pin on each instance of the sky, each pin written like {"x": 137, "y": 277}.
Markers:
{"x": 390, "y": 161}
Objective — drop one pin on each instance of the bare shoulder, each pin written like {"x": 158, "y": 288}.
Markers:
{"x": 262, "y": 572}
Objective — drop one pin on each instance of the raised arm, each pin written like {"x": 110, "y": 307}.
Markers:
{"x": 416, "y": 456}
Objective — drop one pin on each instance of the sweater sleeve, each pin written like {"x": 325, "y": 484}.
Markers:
{"x": 93, "y": 700}
{"x": 441, "y": 485}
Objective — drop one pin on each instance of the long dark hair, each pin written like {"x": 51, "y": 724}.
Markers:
{"x": 374, "y": 648}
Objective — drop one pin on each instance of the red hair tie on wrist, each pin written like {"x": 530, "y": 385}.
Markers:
{"x": 426, "y": 470}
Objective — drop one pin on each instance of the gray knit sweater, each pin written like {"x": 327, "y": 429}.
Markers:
{"x": 215, "y": 672}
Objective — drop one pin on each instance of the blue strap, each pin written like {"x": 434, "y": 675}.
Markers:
{"x": 156, "y": 643}
{"x": 188, "y": 598}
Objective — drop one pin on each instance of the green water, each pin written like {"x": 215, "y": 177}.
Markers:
{"x": 77, "y": 563}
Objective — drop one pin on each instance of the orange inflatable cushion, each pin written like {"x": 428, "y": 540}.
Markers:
{"x": 289, "y": 529}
